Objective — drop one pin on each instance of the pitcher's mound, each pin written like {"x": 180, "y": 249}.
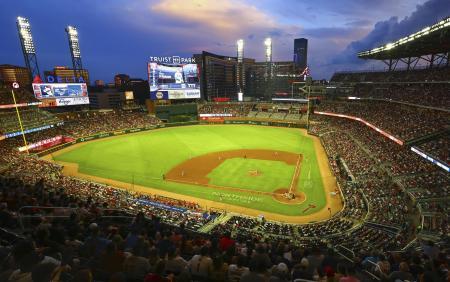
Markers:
{"x": 254, "y": 172}
{"x": 281, "y": 196}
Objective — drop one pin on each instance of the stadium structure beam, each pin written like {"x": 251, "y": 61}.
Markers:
{"x": 411, "y": 63}
{"x": 28, "y": 48}
{"x": 391, "y": 63}
{"x": 441, "y": 59}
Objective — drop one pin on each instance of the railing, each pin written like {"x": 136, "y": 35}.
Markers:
{"x": 375, "y": 268}
{"x": 384, "y": 70}
{"x": 56, "y": 213}
{"x": 348, "y": 250}
{"x": 9, "y": 236}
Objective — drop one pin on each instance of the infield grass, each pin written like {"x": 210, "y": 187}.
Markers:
{"x": 236, "y": 172}
{"x": 142, "y": 158}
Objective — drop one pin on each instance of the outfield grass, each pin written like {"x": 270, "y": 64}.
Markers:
{"x": 143, "y": 158}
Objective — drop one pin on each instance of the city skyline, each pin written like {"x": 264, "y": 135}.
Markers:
{"x": 120, "y": 36}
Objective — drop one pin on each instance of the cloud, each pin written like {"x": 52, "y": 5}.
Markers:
{"x": 358, "y": 23}
{"x": 322, "y": 13}
{"x": 196, "y": 25}
{"x": 226, "y": 16}
{"x": 392, "y": 29}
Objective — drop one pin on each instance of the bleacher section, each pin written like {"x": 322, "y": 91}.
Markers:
{"x": 264, "y": 115}
{"x": 406, "y": 122}
{"x": 252, "y": 114}
{"x": 278, "y": 115}
{"x": 293, "y": 117}
{"x": 22, "y": 96}
{"x": 427, "y": 87}
{"x": 31, "y": 117}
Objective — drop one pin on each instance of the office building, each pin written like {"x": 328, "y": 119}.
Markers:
{"x": 10, "y": 74}
{"x": 301, "y": 53}
{"x": 107, "y": 99}
{"x": 121, "y": 79}
{"x": 219, "y": 75}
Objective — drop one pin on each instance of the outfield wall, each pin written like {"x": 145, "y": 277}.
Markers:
{"x": 254, "y": 122}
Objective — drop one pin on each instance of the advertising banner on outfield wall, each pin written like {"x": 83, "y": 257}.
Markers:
{"x": 41, "y": 143}
{"x": 264, "y": 123}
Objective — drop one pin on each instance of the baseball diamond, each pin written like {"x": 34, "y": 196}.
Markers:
{"x": 279, "y": 171}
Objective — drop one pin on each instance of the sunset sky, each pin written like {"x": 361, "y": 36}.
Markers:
{"x": 118, "y": 36}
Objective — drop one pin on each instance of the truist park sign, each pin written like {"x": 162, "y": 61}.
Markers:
{"x": 172, "y": 60}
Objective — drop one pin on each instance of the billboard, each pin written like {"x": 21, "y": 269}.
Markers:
{"x": 61, "y": 94}
{"x": 173, "y": 79}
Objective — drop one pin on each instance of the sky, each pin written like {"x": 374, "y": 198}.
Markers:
{"x": 119, "y": 36}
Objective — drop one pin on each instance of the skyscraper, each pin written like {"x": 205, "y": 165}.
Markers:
{"x": 301, "y": 53}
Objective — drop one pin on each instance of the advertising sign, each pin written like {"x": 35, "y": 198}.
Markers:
{"x": 173, "y": 78}
{"x": 62, "y": 94}
{"x": 72, "y": 101}
{"x": 41, "y": 143}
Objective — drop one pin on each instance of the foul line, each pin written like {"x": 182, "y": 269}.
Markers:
{"x": 296, "y": 174}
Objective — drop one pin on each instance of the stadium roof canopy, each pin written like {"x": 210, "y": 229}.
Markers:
{"x": 433, "y": 39}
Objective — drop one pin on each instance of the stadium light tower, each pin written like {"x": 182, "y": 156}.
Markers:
{"x": 240, "y": 66}
{"x": 28, "y": 49}
{"x": 75, "y": 53}
{"x": 268, "y": 45}
{"x": 240, "y": 50}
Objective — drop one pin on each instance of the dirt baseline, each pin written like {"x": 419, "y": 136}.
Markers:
{"x": 196, "y": 170}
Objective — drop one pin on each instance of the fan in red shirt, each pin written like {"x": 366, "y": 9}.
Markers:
{"x": 226, "y": 242}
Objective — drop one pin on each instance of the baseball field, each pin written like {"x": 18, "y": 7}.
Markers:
{"x": 281, "y": 173}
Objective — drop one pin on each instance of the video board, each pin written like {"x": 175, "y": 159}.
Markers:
{"x": 61, "y": 94}
{"x": 173, "y": 78}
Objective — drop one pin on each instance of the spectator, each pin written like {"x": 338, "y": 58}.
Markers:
{"x": 235, "y": 271}
{"x": 201, "y": 265}
{"x": 175, "y": 263}
{"x": 402, "y": 274}
{"x": 349, "y": 274}
{"x": 136, "y": 266}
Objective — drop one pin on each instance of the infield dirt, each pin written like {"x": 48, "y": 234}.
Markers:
{"x": 196, "y": 170}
